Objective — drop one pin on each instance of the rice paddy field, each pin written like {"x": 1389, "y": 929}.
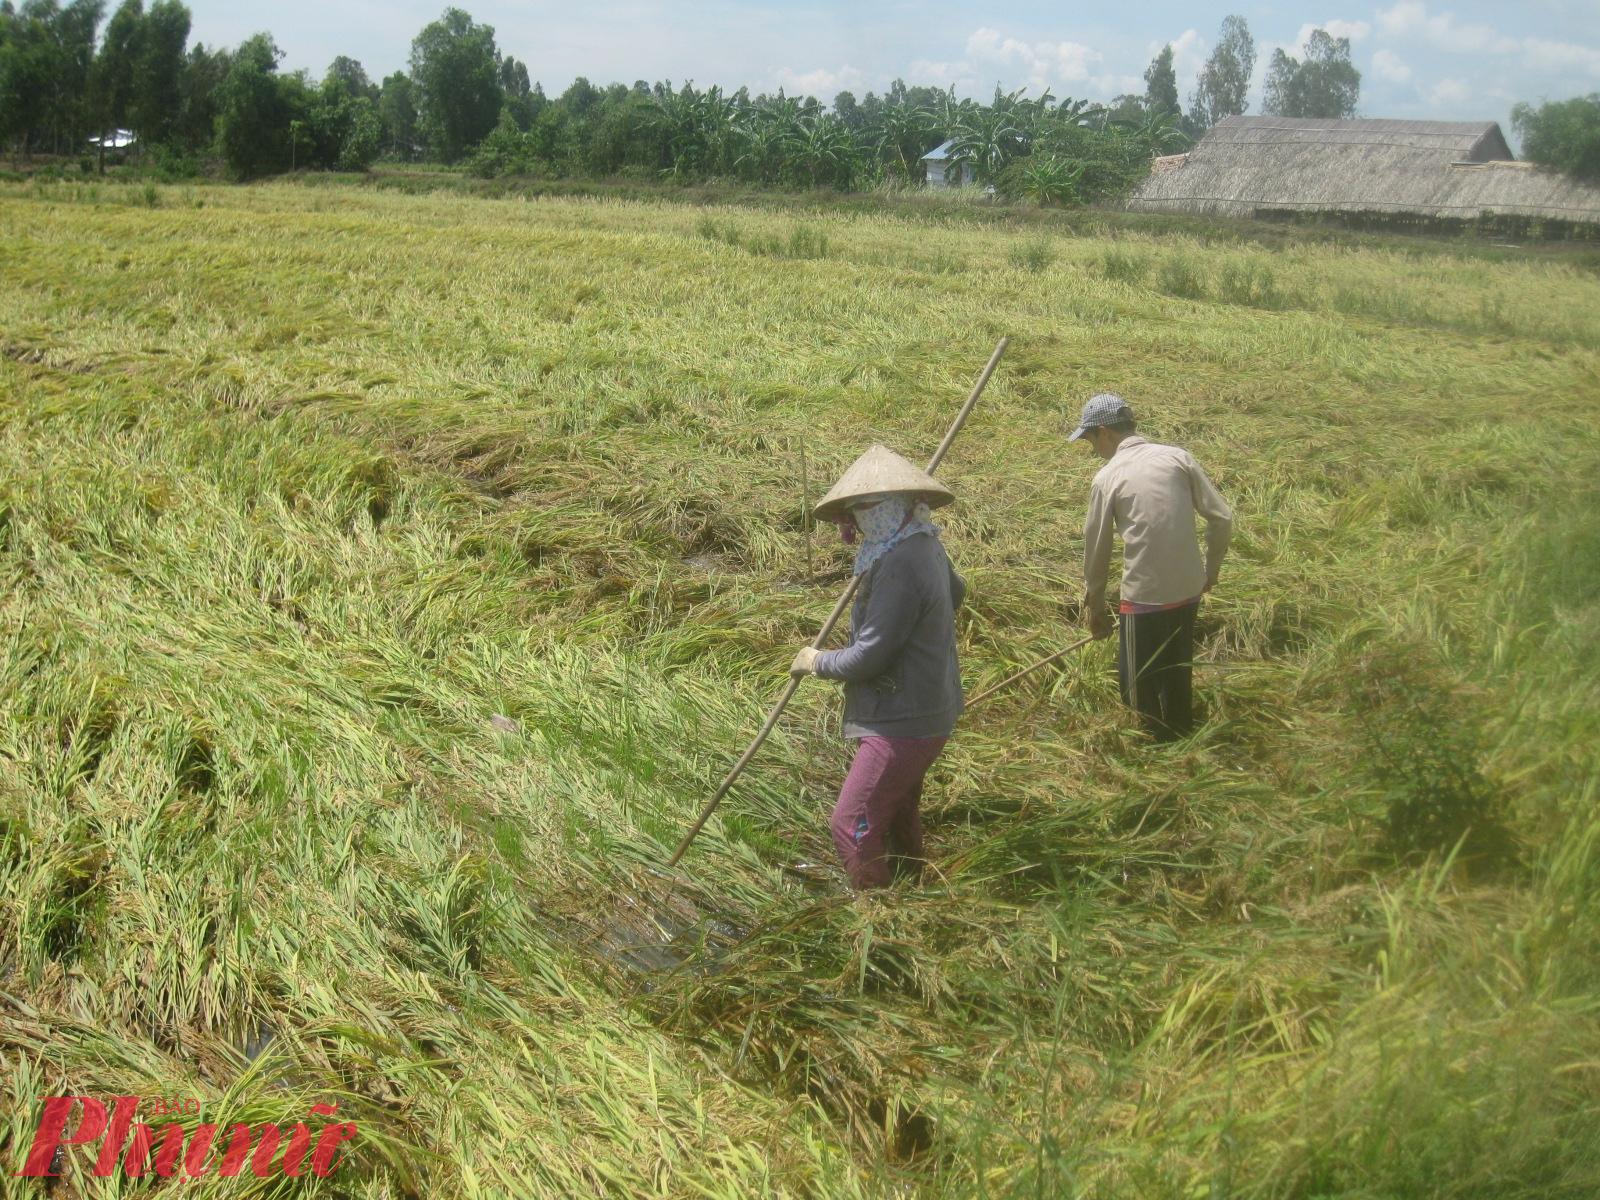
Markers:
{"x": 300, "y": 487}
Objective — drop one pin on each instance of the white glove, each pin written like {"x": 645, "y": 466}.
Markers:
{"x": 805, "y": 661}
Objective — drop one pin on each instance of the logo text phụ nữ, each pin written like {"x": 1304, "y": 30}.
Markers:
{"x": 170, "y": 1151}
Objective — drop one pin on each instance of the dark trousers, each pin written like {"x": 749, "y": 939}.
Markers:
{"x": 1155, "y": 662}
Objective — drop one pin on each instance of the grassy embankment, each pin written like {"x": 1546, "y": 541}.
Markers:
{"x": 301, "y": 485}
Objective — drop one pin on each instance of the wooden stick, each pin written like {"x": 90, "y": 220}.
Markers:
{"x": 833, "y": 619}
{"x": 1043, "y": 662}
{"x": 805, "y": 509}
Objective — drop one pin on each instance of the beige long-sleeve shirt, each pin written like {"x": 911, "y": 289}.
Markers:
{"x": 1150, "y": 494}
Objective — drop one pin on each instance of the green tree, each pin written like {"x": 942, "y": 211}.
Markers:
{"x": 456, "y": 72}
{"x": 352, "y": 78}
{"x": 1225, "y": 79}
{"x": 1127, "y": 109}
{"x": 708, "y": 133}
{"x": 905, "y": 132}
{"x": 848, "y": 111}
{"x": 581, "y": 99}
{"x": 992, "y": 136}
{"x": 1161, "y": 83}
{"x": 1111, "y": 157}
{"x": 24, "y": 78}
{"x": 508, "y": 150}
{"x": 514, "y": 78}
{"x": 158, "y": 71}
{"x": 363, "y": 136}
{"x": 821, "y": 146}
{"x": 342, "y": 129}
{"x": 45, "y": 57}
{"x": 1563, "y": 134}
{"x": 203, "y": 72}
{"x": 518, "y": 89}
{"x": 1326, "y": 84}
{"x": 621, "y": 134}
{"x": 113, "y": 79}
{"x": 1044, "y": 179}
{"x": 254, "y": 110}
{"x": 70, "y": 114}
{"x": 398, "y": 109}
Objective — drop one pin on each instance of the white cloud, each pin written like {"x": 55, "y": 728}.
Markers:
{"x": 1403, "y": 19}
{"x": 1041, "y": 65}
{"x": 1073, "y": 61}
{"x": 1062, "y": 68}
{"x": 1354, "y": 30}
{"x": 1390, "y": 67}
{"x": 1541, "y": 54}
{"x": 1450, "y": 93}
{"x": 1188, "y": 57}
{"x": 926, "y": 71}
{"x": 1410, "y": 19}
{"x": 821, "y": 83}
{"x": 1106, "y": 86}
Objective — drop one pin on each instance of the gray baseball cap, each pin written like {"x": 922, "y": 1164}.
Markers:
{"x": 1105, "y": 409}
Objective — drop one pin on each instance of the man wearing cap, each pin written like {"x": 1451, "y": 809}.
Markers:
{"x": 902, "y": 684}
{"x": 1149, "y": 493}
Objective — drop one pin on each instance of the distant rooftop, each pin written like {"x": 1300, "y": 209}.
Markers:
{"x": 1249, "y": 165}
{"x": 1476, "y": 141}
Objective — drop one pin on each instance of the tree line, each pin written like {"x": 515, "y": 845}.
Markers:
{"x": 65, "y": 82}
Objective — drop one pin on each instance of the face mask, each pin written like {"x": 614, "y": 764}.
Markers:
{"x": 849, "y": 530}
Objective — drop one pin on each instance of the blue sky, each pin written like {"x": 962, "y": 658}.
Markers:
{"x": 1449, "y": 61}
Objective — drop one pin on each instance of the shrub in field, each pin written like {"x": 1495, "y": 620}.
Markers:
{"x": 1250, "y": 283}
{"x": 714, "y": 230}
{"x": 806, "y": 242}
{"x": 1125, "y": 266}
{"x": 803, "y": 241}
{"x": 1421, "y": 745}
{"x": 359, "y": 133}
{"x": 506, "y": 151}
{"x": 1382, "y": 304}
{"x": 1034, "y": 255}
{"x": 1043, "y": 179}
{"x": 1181, "y": 276}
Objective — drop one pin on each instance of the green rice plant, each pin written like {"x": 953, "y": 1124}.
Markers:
{"x": 1035, "y": 255}
{"x": 1125, "y": 266}
{"x": 1424, "y": 750}
{"x": 1180, "y": 275}
{"x": 1248, "y": 282}
{"x": 714, "y": 230}
{"x": 806, "y": 241}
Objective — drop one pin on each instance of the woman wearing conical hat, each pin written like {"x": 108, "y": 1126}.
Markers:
{"x": 902, "y": 685}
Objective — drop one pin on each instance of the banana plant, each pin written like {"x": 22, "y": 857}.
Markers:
{"x": 1046, "y": 179}
{"x": 823, "y": 146}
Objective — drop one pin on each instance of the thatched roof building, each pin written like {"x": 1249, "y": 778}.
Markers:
{"x": 1248, "y": 166}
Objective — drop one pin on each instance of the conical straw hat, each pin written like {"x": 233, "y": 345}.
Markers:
{"x": 877, "y": 472}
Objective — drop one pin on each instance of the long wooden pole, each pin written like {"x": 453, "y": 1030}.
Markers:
{"x": 833, "y": 619}
{"x": 1043, "y": 662}
{"x": 805, "y": 509}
